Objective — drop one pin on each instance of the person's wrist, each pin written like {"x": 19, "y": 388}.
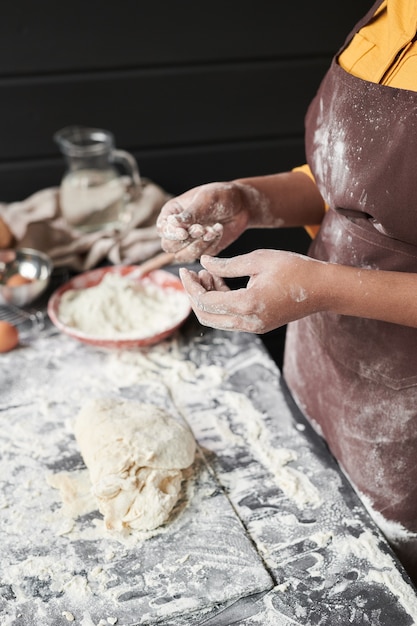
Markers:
{"x": 254, "y": 203}
{"x": 337, "y": 287}
{"x": 321, "y": 285}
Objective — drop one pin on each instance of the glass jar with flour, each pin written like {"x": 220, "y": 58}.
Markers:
{"x": 94, "y": 194}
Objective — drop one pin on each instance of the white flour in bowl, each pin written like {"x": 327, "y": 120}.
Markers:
{"x": 119, "y": 307}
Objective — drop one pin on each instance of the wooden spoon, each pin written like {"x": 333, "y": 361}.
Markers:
{"x": 156, "y": 262}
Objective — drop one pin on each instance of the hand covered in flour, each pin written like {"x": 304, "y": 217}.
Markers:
{"x": 206, "y": 219}
{"x": 280, "y": 289}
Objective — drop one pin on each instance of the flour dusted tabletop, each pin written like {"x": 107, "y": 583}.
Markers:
{"x": 267, "y": 530}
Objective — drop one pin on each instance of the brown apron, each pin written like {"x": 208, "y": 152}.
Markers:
{"x": 354, "y": 378}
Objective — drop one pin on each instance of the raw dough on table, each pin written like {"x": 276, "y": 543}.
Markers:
{"x": 134, "y": 453}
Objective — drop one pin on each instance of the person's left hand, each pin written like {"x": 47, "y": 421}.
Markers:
{"x": 280, "y": 289}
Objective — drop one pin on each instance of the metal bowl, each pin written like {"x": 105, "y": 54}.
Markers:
{"x": 33, "y": 265}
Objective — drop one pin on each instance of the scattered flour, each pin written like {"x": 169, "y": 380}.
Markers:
{"x": 177, "y": 372}
{"x": 383, "y": 571}
{"x": 225, "y": 420}
{"x": 393, "y": 531}
{"x": 295, "y": 484}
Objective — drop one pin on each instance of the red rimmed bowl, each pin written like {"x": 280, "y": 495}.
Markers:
{"x": 167, "y": 282}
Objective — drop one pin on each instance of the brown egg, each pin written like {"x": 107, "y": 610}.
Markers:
{"x": 16, "y": 280}
{"x": 9, "y": 336}
{"x": 6, "y": 237}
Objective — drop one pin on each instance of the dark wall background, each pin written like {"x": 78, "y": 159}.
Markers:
{"x": 197, "y": 91}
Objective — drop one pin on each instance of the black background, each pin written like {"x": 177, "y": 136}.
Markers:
{"x": 197, "y": 91}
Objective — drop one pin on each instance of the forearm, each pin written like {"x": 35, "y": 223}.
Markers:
{"x": 285, "y": 286}
{"x": 208, "y": 218}
{"x": 285, "y": 199}
{"x": 375, "y": 294}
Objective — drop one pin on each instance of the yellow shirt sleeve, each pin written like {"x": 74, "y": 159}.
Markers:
{"x": 313, "y": 229}
{"x": 383, "y": 51}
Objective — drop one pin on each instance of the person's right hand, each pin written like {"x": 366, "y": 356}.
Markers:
{"x": 282, "y": 287}
{"x": 205, "y": 219}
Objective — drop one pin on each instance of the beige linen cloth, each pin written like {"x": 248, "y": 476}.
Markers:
{"x": 36, "y": 222}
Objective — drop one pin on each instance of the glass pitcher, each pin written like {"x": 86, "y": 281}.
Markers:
{"x": 93, "y": 193}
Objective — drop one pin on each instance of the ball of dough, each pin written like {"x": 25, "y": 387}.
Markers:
{"x": 134, "y": 453}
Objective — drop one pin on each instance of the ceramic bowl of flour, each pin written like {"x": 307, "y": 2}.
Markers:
{"x": 119, "y": 307}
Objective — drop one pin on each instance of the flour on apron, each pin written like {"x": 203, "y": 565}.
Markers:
{"x": 358, "y": 384}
